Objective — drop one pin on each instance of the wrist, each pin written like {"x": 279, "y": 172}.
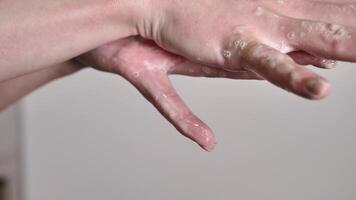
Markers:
{"x": 145, "y": 16}
{"x": 130, "y": 14}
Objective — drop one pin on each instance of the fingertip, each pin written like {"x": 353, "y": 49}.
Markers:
{"x": 205, "y": 139}
{"x": 317, "y": 89}
{"x": 209, "y": 148}
{"x": 210, "y": 144}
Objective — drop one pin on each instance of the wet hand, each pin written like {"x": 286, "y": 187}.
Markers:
{"x": 147, "y": 67}
{"x": 258, "y": 36}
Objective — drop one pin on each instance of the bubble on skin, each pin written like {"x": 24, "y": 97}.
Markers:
{"x": 286, "y": 68}
{"x": 172, "y": 114}
{"x": 283, "y": 47}
{"x": 259, "y": 11}
{"x": 255, "y": 51}
{"x": 222, "y": 74}
{"x": 207, "y": 70}
{"x": 337, "y": 31}
{"x": 291, "y": 35}
{"x": 307, "y": 26}
{"x": 136, "y": 74}
{"x": 227, "y": 54}
{"x": 269, "y": 60}
{"x": 157, "y": 66}
{"x": 332, "y": 30}
{"x": 352, "y": 7}
{"x": 282, "y": 28}
{"x": 348, "y": 8}
{"x": 240, "y": 44}
{"x": 280, "y": 2}
{"x": 328, "y": 63}
{"x": 237, "y": 46}
{"x": 205, "y": 132}
{"x": 190, "y": 70}
{"x": 158, "y": 96}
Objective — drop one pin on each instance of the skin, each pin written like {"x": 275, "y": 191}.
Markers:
{"x": 36, "y": 34}
{"x": 126, "y": 57}
{"x": 14, "y": 89}
{"x": 130, "y": 56}
{"x": 148, "y": 66}
{"x": 256, "y": 35}
{"x": 61, "y": 36}
{"x": 244, "y": 41}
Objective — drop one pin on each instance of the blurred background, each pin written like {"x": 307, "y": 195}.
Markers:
{"x": 92, "y": 136}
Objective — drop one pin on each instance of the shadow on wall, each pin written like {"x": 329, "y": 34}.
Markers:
{"x": 2, "y": 189}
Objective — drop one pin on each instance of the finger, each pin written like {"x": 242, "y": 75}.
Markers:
{"x": 197, "y": 70}
{"x": 157, "y": 88}
{"x": 280, "y": 69}
{"x": 325, "y": 40}
{"x": 343, "y": 11}
{"x": 303, "y": 58}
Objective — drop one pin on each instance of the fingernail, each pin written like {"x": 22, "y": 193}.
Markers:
{"x": 317, "y": 88}
{"x": 210, "y": 147}
{"x": 209, "y": 143}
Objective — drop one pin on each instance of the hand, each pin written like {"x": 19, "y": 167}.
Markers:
{"x": 147, "y": 67}
{"x": 127, "y": 57}
{"x": 256, "y": 35}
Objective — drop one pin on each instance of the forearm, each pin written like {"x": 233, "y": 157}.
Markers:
{"x": 14, "y": 89}
{"x": 39, "y": 33}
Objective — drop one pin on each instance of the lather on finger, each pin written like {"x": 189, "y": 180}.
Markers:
{"x": 342, "y": 12}
{"x": 326, "y": 40}
{"x": 276, "y": 67}
{"x": 157, "y": 88}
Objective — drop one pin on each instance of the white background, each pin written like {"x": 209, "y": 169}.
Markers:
{"x": 92, "y": 136}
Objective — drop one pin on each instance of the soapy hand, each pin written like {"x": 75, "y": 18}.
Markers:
{"x": 257, "y": 35}
{"x": 147, "y": 67}
{"x": 275, "y": 54}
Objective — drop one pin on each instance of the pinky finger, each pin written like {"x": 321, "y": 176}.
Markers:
{"x": 197, "y": 70}
{"x": 304, "y": 58}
